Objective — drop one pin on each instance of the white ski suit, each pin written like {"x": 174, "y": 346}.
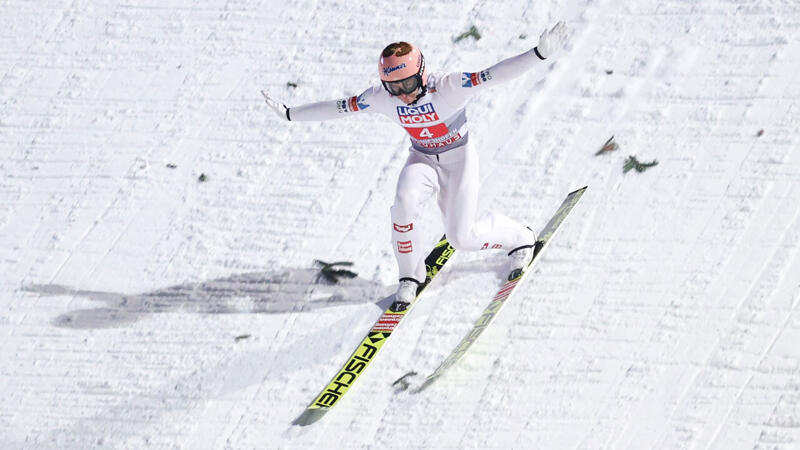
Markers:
{"x": 440, "y": 160}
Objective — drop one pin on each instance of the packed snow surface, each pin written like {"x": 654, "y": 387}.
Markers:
{"x": 141, "y": 307}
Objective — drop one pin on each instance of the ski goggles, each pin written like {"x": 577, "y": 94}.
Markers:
{"x": 404, "y": 86}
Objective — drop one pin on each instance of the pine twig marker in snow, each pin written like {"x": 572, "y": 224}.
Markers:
{"x": 332, "y": 274}
{"x": 402, "y": 383}
{"x": 633, "y": 163}
{"x": 472, "y": 32}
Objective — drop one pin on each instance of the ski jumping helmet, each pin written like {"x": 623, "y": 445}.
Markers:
{"x": 402, "y": 69}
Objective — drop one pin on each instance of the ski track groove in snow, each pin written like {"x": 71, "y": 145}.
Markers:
{"x": 664, "y": 315}
{"x": 790, "y": 234}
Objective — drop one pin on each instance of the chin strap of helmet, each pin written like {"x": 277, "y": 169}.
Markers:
{"x": 421, "y": 94}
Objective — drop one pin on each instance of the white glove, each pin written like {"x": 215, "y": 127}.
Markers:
{"x": 280, "y": 109}
{"x": 553, "y": 40}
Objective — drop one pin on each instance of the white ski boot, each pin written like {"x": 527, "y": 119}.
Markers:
{"x": 520, "y": 258}
{"x": 405, "y": 295}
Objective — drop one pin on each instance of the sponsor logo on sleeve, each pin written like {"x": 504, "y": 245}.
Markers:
{"x": 352, "y": 104}
{"x": 362, "y": 104}
{"x": 471, "y": 79}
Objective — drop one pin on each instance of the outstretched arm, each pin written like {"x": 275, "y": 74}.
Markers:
{"x": 463, "y": 84}
{"x": 549, "y": 43}
{"x": 325, "y": 110}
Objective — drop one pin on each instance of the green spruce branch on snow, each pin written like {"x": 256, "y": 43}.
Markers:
{"x": 331, "y": 274}
{"x": 472, "y": 32}
{"x": 633, "y": 163}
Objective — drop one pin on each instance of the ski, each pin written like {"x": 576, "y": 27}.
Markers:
{"x": 507, "y": 290}
{"x": 374, "y": 340}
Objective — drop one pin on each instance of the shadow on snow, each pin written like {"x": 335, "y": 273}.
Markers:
{"x": 294, "y": 290}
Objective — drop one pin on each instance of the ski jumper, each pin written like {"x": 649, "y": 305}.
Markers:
{"x": 440, "y": 160}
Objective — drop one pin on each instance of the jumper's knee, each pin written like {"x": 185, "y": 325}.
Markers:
{"x": 461, "y": 239}
{"x": 406, "y": 206}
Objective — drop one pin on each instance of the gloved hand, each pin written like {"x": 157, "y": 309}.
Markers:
{"x": 279, "y": 108}
{"x": 552, "y": 41}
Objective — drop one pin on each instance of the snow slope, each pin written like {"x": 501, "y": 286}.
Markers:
{"x": 142, "y": 308}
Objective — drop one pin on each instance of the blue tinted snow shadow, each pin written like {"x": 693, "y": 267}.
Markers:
{"x": 295, "y": 290}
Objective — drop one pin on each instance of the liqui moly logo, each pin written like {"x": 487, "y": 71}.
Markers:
{"x": 417, "y": 114}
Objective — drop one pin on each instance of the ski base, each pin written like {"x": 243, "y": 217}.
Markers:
{"x": 371, "y": 344}
{"x": 507, "y": 290}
